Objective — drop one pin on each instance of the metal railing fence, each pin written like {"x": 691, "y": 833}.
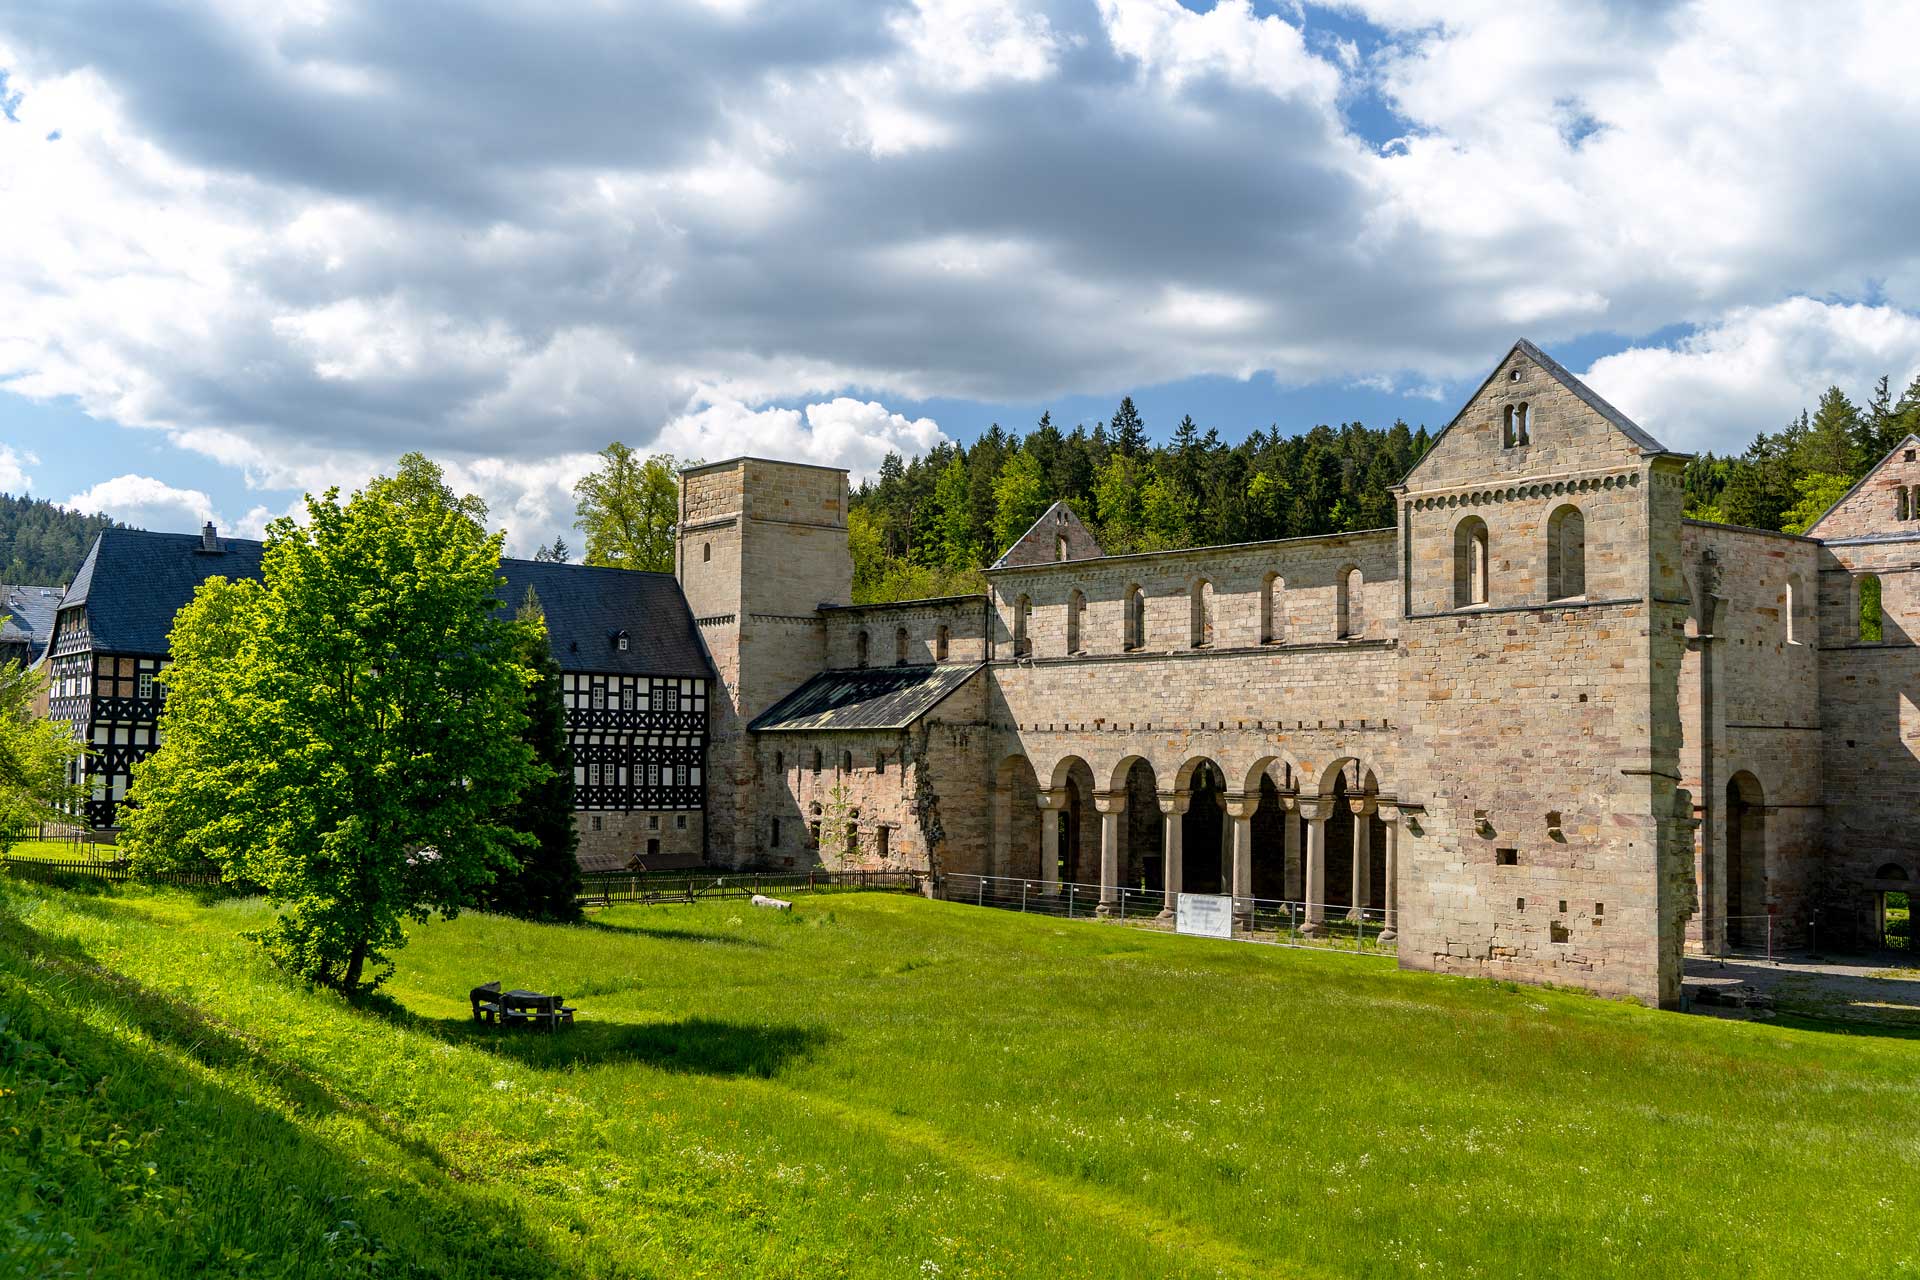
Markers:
{"x": 1273, "y": 921}
{"x": 606, "y": 888}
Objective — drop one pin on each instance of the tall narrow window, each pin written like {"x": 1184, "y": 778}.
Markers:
{"x": 846, "y": 762}
{"x": 1022, "y": 645}
{"x": 1200, "y": 614}
{"x": 1060, "y": 548}
{"x": 680, "y": 774}
{"x": 1792, "y": 618}
{"x": 775, "y": 842}
{"x": 1269, "y": 618}
{"x": 669, "y": 698}
{"x": 780, "y": 762}
{"x": 1350, "y": 606}
{"x": 1076, "y": 619}
{"x": 1470, "y": 563}
{"x": 940, "y": 639}
{"x": 1566, "y": 554}
{"x": 1508, "y": 437}
{"x": 143, "y": 686}
{"x": 860, "y": 650}
{"x": 879, "y": 762}
{"x": 599, "y": 697}
{"x": 1134, "y": 624}
{"x": 1872, "y": 629}
{"x": 626, "y": 697}
{"x": 816, "y": 759}
{"x": 1900, "y": 503}
{"x": 706, "y": 552}
{"x": 900, "y": 647}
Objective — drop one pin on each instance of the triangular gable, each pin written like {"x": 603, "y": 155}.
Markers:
{"x": 1042, "y": 542}
{"x": 1627, "y": 427}
{"x": 1873, "y": 504}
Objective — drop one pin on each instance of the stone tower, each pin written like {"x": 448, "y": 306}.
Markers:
{"x": 762, "y": 545}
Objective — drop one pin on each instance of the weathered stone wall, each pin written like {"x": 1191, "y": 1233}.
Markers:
{"x": 964, "y": 617}
{"x": 1887, "y": 501}
{"x": 678, "y": 832}
{"x": 761, "y": 546}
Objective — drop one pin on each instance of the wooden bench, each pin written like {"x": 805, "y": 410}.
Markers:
{"x": 485, "y": 1000}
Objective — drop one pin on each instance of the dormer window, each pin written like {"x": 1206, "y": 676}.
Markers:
{"x": 620, "y": 641}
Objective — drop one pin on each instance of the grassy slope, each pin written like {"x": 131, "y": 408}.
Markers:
{"x": 883, "y": 1086}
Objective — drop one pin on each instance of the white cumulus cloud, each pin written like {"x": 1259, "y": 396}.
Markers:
{"x": 147, "y": 503}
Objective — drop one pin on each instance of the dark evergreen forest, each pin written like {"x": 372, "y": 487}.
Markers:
{"x": 926, "y": 527}
{"x": 41, "y": 543}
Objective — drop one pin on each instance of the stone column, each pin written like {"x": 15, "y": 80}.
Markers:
{"x": 1173, "y": 808}
{"x": 1112, "y": 806}
{"x": 1390, "y": 819}
{"x": 1315, "y": 810}
{"x": 1240, "y": 809}
{"x": 1052, "y": 805}
{"x": 1362, "y": 806}
{"x": 1290, "y": 828}
{"x": 1226, "y": 844}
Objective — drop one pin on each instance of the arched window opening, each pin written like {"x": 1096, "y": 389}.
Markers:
{"x": 1349, "y": 611}
{"x": 1200, "y": 619}
{"x": 1076, "y": 619}
{"x": 1060, "y": 547}
{"x": 1792, "y": 618}
{"x": 1891, "y": 871}
{"x": 1022, "y": 644}
{"x": 1566, "y": 554}
{"x": 816, "y": 759}
{"x": 846, "y": 762}
{"x": 879, "y": 762}
{"x": 860, "y": 645}
{"x": 1872, "y": 629}
{"x": 1470, "y": 563}
{"x": 1134, "y": 623}
{"x": 706, "y": 551}
{"x": 940, "y": 639}
{"x": 780, "y": 762}
{"x": 900, "y": 647}
{"x": 1900, "y": 503}
{"x": 1269, "y": 620}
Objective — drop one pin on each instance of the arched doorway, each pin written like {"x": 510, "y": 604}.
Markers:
{"x": 1016, "y": 820}
{"x": 1269, "y": 843}
{"x": 1141, "y": 860}
{"x": 1746, "y": 904}
{"x": 1339, "y": 848}
{"x": 1204, "y": 854}
{"x": 1894, "y": 909}
{"x": 1079, "y": 845}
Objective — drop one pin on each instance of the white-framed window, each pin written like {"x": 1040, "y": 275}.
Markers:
{"x": 669, "y": 698}
{"x": 599, "y": 698}
{"x": 653, "y": 773}
{"x": 680, "y": 774}
{"x": 626, "y": 698}
{"x": 598, "y": 824}
{"x": 143, "y": 686}
{"x": 593, "y": 774}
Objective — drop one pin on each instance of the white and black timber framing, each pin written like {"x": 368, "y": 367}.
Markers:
{"x": 634, "y": 672}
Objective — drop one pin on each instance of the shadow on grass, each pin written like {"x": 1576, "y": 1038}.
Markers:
{"x": 671, "y": 933}
{"x": 202, "y": 1155}
{"x": 694, "y": 1046}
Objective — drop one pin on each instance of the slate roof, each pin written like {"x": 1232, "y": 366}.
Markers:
{"x": 868, "y": 698}
{"x": 134, "y": 581}
{"x": 26, "y": 616}
{"x": 586, "y": 606}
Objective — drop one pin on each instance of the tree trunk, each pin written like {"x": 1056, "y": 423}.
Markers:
{"x": 355, "y": 962}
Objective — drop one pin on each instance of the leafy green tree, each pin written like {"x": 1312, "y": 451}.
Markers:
{"x": 1020, "y": 498}
{"x": 1120, "y": 495}
{"x": 347, "y": 730}
{"x": 546, "y": 884}
{"x": 1817, "y": 494}
{"x": 37, "y": 757}
{"x": 952, "y": 525}
{"x": 629, "y": 508}
{"x": 1167, "y": 509}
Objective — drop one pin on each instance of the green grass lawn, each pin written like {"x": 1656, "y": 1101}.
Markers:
{"x": 60, "y": 851}
{"x": 875, "y": 1085}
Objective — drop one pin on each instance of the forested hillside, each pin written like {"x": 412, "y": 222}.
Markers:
{"x": 926, "y": 527}
{"x": 42, "y": 543}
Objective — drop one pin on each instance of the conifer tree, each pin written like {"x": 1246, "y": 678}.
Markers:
{"x": 1127, "y": 432}
{"x": 546, "y": 884}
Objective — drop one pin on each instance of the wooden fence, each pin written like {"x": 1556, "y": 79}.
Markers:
{"x": 117, "y": 871}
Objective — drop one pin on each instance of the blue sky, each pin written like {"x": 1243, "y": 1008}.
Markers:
{"x": 246, "y": 254}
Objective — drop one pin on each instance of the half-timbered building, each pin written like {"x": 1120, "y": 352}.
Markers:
{"x": 634, "y": 672}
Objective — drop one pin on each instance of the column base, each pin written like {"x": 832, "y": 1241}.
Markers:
{"x": 1388, "y": 935}
{"x": 1166, "y": 913}
{"x": 1313, "y": 929}
{"x": 1107, "y": 910}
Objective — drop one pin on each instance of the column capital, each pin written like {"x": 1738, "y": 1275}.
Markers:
{"x": 1174, "y": 802}
{"x": 1053, "y": 801}
{"x": 1315, "y": 808}
{"x": 1361, "y": 805}
{"x": 1241, "y": 804}
{"x": 1389, "y": 812}
{"x": 1110, "y": 801}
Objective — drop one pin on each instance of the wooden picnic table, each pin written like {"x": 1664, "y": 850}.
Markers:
{"x": 501, "y": 1008}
